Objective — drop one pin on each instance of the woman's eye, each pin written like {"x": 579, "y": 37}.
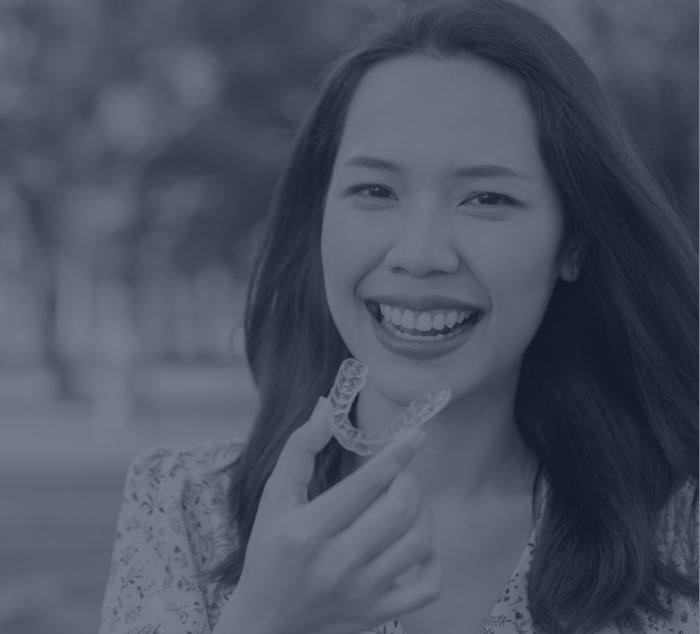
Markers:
{"x": 488, "y": 198}
{"x": 372, "y": 191}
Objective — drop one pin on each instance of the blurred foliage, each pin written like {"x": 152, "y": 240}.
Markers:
{"x": 147, "y": 135}
{"x": 138, "y": 132}
{"x": 150, "y": 131}
{"x": 648, "y": 59}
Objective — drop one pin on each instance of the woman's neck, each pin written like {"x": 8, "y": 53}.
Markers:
{"x": 473, "y": 453}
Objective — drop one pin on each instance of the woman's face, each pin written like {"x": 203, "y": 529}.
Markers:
{"x": 438, "y": 189}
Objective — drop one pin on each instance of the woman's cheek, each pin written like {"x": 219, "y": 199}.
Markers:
{"x": 360, "y": 240}
{"x": 339, "y": 253}
{"x": 330, "y": 260}
{"x": 525, "y": 298}
{"x": 518, "y": 277}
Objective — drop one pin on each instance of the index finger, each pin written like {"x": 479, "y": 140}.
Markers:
{"x": 335, "y": 509}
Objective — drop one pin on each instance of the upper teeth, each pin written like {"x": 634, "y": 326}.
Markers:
{"x": 436, "y": 319}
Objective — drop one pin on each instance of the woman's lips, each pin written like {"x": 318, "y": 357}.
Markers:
{"x": 415, "y": 348}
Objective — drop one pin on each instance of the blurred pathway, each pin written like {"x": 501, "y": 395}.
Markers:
{"x": 184, "y": 406}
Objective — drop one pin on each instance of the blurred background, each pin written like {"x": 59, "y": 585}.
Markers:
{"x": 140, "y": 143}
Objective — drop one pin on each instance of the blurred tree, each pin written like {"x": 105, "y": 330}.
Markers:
{"x": 648, "y": 59}
{"x": 268, "y": 54}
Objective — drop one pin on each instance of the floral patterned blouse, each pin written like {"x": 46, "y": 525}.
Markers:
{"x": 172, "y": 526}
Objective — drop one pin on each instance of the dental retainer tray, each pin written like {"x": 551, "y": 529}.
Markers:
{"x": 348, "y": 383}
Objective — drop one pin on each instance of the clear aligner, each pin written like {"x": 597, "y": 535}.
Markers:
{"x": 348, "y": 383}
{"x": 422, "y": 409}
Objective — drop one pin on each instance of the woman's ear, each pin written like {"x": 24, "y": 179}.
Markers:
{"x": 570, "y": 266}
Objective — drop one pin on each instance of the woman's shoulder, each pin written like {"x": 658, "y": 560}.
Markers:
{"x": 194, "y": 479}
{"x": 161, "y": 467}
{"x": 172, "y": 525}
{"x": 677, "y": 543}
{"x": 678, "y": 528}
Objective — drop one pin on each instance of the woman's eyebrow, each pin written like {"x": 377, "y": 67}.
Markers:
{"x": 472, "y": 171}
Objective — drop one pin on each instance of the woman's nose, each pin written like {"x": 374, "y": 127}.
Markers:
{"x": 424, "y": 245}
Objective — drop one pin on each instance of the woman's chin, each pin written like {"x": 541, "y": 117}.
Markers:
{"x": 403, "y": 385}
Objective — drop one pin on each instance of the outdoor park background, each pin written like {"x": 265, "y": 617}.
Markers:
{"x": 140, "y": 144}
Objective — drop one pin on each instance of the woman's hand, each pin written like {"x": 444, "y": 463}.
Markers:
{"x": 329, "y": 566}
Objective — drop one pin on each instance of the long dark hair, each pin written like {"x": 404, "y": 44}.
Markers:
{"x": 607, "y": 397}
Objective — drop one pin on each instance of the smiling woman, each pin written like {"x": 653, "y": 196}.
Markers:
{"x": 470, "y": 215}
{"x": 463, "y": 208}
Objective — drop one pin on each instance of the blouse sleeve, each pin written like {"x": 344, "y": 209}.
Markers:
{"x": 153, "y": 586}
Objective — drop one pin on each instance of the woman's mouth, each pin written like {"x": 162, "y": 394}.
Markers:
{"x": 426, "y": 335}
{"x": 427, "y": 326}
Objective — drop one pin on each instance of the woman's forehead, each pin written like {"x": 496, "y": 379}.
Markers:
{"x": 445, "y": 113}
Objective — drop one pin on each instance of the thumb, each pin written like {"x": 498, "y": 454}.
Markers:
{"x": 295, "y": 465}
